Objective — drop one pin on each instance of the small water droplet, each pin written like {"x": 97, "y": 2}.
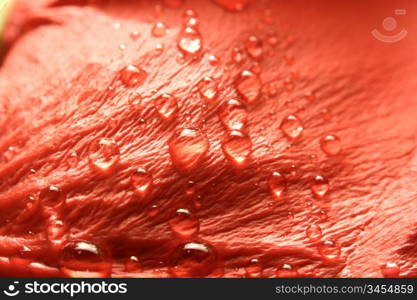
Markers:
{"x": 84, "y": 259}
{"x": 207, "y": 88}
{"x": 142, "y": 182}
{"x": 103, "y": 155}
{"x": 166, "y": 105}
{"x": 286, "y": 271}
{"x": 193, "y": 259}
{"x": 55, "y": 230}
{"x": 187, "y": 147}
{"x": 248, "y": 86}
{"x": 254, "y": 47}
{"x": 314, "y": 233}
{"x": 330, "y": 251}
{"x": 159, "y": 29}
{"x": 310, "y": 96}
{"x": 390, "y": 270}
{"x": 132, "y": 264}
{"x": 237, "y": 148}
{"x": 330, "y": 144}
{"x": 292, "y": 127}
{"x": 319, "y": 186}
{"x": 134, "y": 35}
{"x": 237, "y": 55}
{"x": 254, "y": 268}
{"x": 51, "y": 196}
{"x": 159, "y": 49}
{"x": 277, "y": 185}
{"x": 184, "y": 224}
{"x": 213, "y": 60}
{"x": 132, "y": 76}
{"x": 233, "y": 114}
{"x": 153, "y": 211}
{"x": 190, "y": 41}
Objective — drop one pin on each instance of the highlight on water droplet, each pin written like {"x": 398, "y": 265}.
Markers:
{"x": 190, "y": 41}
{"x": 142, "y": 182}
{"x": 184, "y": 224}
{"x": 331, "y": 145}
{"x": 103, "y": 155}
{"x": 208, "y": 87}
{"x": 329, "y": 251}
{"x": 51, "y": 196}
{"x": 286, "y": 271}
{"x": 193, "y": 259}
{"x": 188, "y": 147}
{"x": 314, "y": 233}
{"x": 84, "y": 259}
{"x": 159, "y": 29}
{"x": 319, "y": 186}
{"x": 167, "y": 106}
{"x": 277, "y": 184}
{"x": 249, "y": 86}
{"x": 390, "y": 270}
{"x": 254, "y": 268}
{"x": 132, "y": 76}
{"x": 237, "y": 148}
{"x": 254, "y": 47}
{"x": 292, "y": 126}
{"x": 233, "y": 114}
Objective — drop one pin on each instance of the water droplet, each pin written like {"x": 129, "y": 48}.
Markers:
{"x": 132, "y": 264}
{"x": 248, "y": 86}
{"x": 233, "y": 114}
{"x": 310, "y": 96}
{"x": 84, "y": 259}
{"x": 134, "y": 35}
{"x": 237, "y": 55}
{"x": 153, "y": 211}
{"x": 51, "y": 196}
{"x": 190, "y": 41}
{"x": 142, "y": 182}
{"x": 254, "y": 47}
{"x": 103, "y": 155}
{"x": 188, "y": 147}
{"x": 184, "y": 224}
{"x": 132, "y": 76}
{"x": 390, "y": 270}
{"x": 166, "y": 105}
{"x": 319, "y": 186}
{"x": 286, "y": 271}
{"x": 232, "y": 5}
{"x": 207, "y": 88}
{"x": 277, "y": 185}
{"x": 159, "y": 49}
{"x": 330, "y": 144}
{"x": 292, "y": 127}
{"x": 237, "y": 148}
{"x": 213, "y": 60}
{"x": 55, "y": 230}
{"x": 159, "y": 29}
{"x": 193, "y": 260}
{"x": 314, "y": 233}
{"x": 330, "y": 251}
{"x": 254, "y": 268}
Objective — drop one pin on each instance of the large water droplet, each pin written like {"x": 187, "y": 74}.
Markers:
{"x": 207, "y": 88}
{"x": 190, "y": 41}
{"x": 286, "y": 271}
{"x": 331, "y": 145}
{"x": 319, "y": 186}
{"x": 193, "y": 260}
{"x": 159, "y": 29}
{"x": 277, "y": 185}
{"x": 292, "y": 127}
{"x": 232, "y": 5}
{"x": 390, "y": 270}
{"x": 254, "y": 268}
{"x": 188, "y": 147}
{"x": 132, "y": 76}
{"x": 84, "y": 259}
{"x": 233, "y": 114}
{"x": 184, "y": 224}
{"x": 314, "y": 233}
{"x": 329, "y": 251}
{"x": 248, "y": 85}
{"x": 237, "y": 148}
{"x": 142, "y": 182}
{"x": 166, "y": 105}
{"x": 103, "y": 155}
{"x": 51, "y": 196}
{"x": 254, "y": 47}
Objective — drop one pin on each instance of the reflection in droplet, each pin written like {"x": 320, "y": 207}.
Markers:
{"x": 166, "y": 105}
{"x": 254, "y": 47}
{"x": 208, "y": 88}
{"x": 190, "y": 41}
{"x": 291, "y": 126}
{"x": 159, "y": 29}
{"x": 184, "y": 224}
{"x": 233, "y": 114}
{"x": 132, "y": 76}
{"x": 314, "y": 233}
{"x": 248, "y": 85}
{"x": 319, "y": 186}
{"x": 254, "y": 268}
{"x": 237, "y": 148}
{"x": 277, "y": 185}
{"x": 390, "y": 270}
{"x": 51, "y": 196}
{"x": 142, "y": 182}
{"x": 330, "y": 144}
{"x": 103, "y": 155}
{"x": 329, "y": 251}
